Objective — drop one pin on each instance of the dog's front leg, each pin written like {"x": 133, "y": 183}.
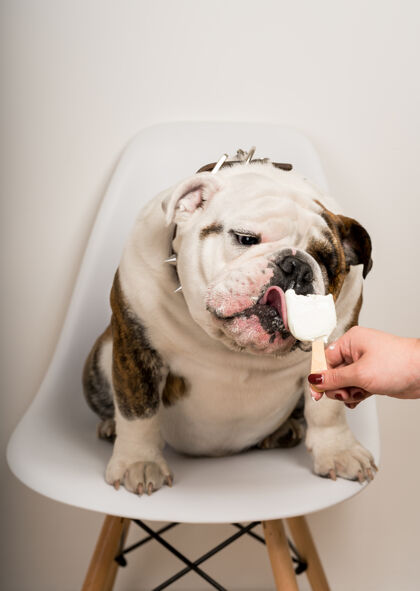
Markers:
{"x": 137, "y": 460}
{"x": 335, "y": 450}
{"x": 138, "y": 378}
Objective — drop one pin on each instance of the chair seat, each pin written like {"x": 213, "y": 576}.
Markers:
{"x": 54, "y": 449}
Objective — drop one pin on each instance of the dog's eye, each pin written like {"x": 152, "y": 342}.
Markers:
{"x": 247, "y": 239}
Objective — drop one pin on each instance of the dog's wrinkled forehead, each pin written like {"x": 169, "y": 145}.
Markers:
{"x": 261, "y": 189}
{"x": 272, "y": 210}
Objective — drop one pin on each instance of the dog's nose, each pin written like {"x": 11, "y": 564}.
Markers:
{"x": 297, "y": 274}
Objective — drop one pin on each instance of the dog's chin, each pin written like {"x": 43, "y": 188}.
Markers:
{"x": 256, "y": 331}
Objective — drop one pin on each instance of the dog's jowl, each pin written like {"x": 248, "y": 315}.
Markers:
{"x": 198, "y": 352}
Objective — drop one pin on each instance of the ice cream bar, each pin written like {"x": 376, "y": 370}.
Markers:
{"x": 311, "y": 318}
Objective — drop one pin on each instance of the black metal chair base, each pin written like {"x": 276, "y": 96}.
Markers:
{"x": 300, "y": 564}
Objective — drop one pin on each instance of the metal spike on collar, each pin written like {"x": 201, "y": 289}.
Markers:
{"x": 220, "y": 163}
{"x": 178, "y": 289}
{"x": 171, "y": 260}
{"x": 250, "y": 155}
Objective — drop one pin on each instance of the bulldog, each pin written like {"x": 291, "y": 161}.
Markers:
{"x": 198, "y": 353}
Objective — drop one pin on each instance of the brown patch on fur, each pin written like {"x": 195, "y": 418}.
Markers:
{"x": 345, "y": 243}
{"x": 175, "y": 389}
{"x": 354, "y": 319}
{"x": 356, "y": 243}
{"x": 137, "y": 367}
{"x": 214, "y": 228}
{"x": 96, "y": 387}
{"x": 329, "y": 254}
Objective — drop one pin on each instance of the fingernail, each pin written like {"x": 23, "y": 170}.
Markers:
{"x": 359, "y": 395}
{"x": 316, "y": 378}
{"x": 339, "y": 397}
{"x": 315, "y": 395}
{"x": 350, "y": 405}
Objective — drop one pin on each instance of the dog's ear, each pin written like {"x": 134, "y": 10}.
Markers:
{"x": 356, "y": 243}
{"x": 190, "y": 195}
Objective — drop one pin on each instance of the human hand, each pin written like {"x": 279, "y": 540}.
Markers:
{"x": 364, "y": 362}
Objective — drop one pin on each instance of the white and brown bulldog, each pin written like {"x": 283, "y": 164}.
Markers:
{"x": 212, "y": 368}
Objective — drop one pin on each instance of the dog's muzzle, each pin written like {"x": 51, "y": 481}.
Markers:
{"x": 249, "y": 302}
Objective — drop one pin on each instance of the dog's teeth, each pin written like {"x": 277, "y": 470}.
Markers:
{"x": 178, "y": 289}
{"x": 171, "y": 260}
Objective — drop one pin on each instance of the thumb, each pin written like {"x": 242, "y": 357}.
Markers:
{"x": 335, "y": 378}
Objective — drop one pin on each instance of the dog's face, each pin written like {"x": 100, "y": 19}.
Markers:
{"x": 243, "y": 239}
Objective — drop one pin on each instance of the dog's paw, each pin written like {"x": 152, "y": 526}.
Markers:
{"x": 146, "y": 477}
{"x": 106, "y": 430}
{"x": 289, "y": 434}
{"x": 341, "y": 455}
{"x": 138, "y": 477}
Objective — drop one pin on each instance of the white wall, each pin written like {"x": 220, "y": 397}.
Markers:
{"x": 79, "y": 78}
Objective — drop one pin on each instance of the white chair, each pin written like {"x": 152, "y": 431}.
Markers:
{"x": 55, "y": 451}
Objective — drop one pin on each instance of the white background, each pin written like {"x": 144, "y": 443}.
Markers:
{"x": 79, "y": 78}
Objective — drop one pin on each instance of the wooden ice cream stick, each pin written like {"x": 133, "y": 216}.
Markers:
{"x": 318, "y": 362}
{"x": 312, "y": 318}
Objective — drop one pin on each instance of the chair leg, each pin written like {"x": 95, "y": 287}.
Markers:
{"x": 278, "y": 551}
{"x": 306, "y": 547}
{"x": 103, "y": 568}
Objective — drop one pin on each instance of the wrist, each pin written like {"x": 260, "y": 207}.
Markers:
{"x": 413, "y": 390}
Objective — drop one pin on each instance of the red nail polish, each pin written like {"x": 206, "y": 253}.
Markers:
{"x": 315, "y": 378}
{"x": 350, "y": 405}
{"x": 338, "y": 397}
{"x": 359, "y": 395}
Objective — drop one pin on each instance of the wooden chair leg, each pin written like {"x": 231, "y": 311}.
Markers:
{"x": 279, "y": 553}
{"x": 306, "y": 548}
{"x": 103, "y": 568}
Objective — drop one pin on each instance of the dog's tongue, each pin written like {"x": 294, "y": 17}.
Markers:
{"x": 274, "y": 296}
